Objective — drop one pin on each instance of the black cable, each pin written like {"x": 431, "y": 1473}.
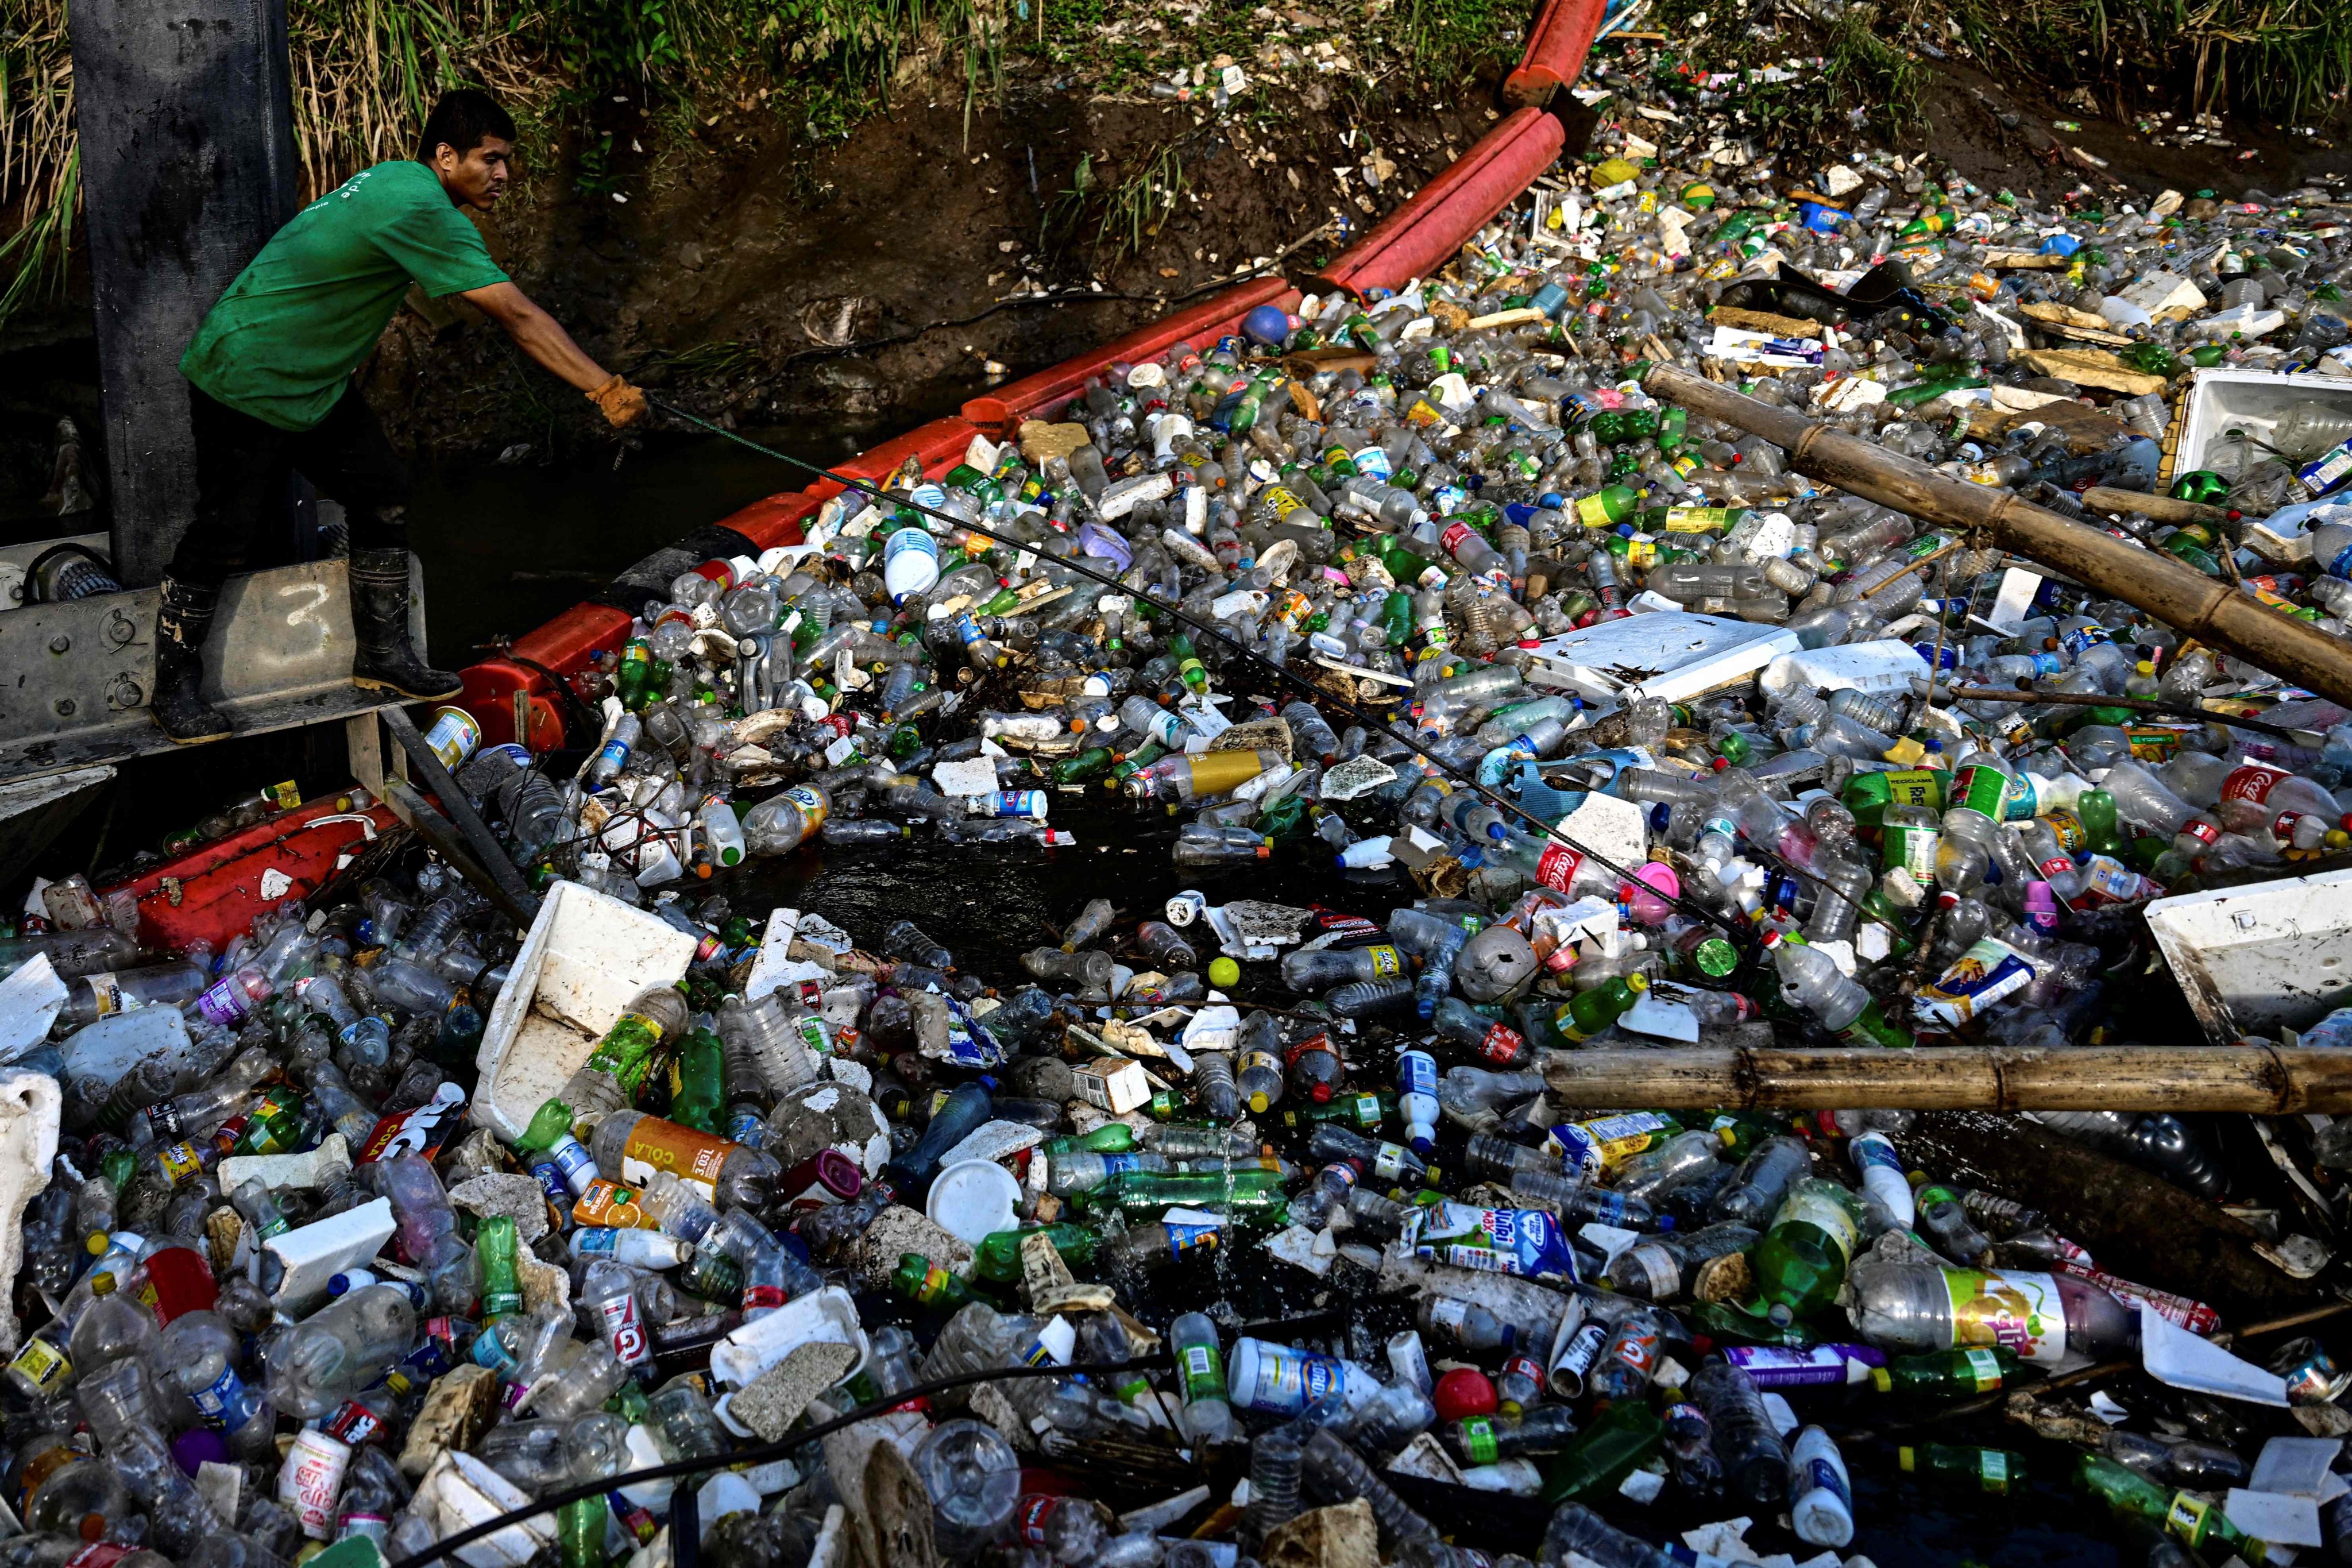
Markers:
{"x": 1313, "y": 693}
{"x": 768, "y": 1452}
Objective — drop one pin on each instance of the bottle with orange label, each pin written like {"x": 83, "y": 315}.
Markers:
{"x": 630, "y": 1146}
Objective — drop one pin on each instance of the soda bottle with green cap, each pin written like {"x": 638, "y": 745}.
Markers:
{"x": 1188, "y": 663}
{"x": 1801, "y": 1260}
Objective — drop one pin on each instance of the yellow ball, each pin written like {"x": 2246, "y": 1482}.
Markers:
{"x": 1225, "y": 972}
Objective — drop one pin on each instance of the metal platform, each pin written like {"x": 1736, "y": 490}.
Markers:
{"x": 75, "y": 678}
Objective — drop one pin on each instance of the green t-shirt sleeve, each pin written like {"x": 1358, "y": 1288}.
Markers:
{"x": 434, "y": 244}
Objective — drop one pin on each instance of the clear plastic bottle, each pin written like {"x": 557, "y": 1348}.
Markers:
{"x": 1755, "y": 1466}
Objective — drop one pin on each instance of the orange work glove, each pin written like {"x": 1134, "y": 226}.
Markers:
{"x": 622, "y": 404}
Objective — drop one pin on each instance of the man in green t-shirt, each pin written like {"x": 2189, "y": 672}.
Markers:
{"x": 269, "y": 375}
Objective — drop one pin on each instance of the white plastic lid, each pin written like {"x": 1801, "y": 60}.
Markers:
{"x": 974, "y": 1199}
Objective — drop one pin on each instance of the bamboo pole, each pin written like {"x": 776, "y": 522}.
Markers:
{"x": 2214, "y": 613}
{"x": 2265, "y": 1080}
{"x": 2163, "y": 508}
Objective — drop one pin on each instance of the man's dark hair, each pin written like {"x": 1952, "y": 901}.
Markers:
{"x": 462, "y": 119}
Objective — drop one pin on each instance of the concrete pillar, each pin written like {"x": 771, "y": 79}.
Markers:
{"x": 187, "y": 167}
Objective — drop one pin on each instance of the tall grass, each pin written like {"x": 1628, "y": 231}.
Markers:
{"x": 365, "y": 72}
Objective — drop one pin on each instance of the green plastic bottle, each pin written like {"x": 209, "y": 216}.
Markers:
{"x": 1604, "y": 1454}
{"x": 1087, "y": 765}
{"x": 1589, "y": 1012}
{"x": 917, "y": 1279}
{"x": 2096, "y": 812}
{"x": 1188, "y": 662}
{"x": 494, "y": 1245}
{"x": 580, "y": 1526}
{"x": 1607, "y": 507}
{"x": 1957, "y": 1372}
{"x": 1988, "y": 1469}
{"x": 1360, "y": 1111}
{"x": 2193, "y": 1521}
{"x": 998, "y": 1257}
{"x": 274, "y": 1125}
{"x": 1801, "y": 1260}
{"x": 696, "y": 1099}
{"x": 1110, "y": 1138}
{"x": 634, "y": 676}
{"x": 1245, "y": 1195}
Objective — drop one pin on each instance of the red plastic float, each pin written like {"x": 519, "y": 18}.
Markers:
{"x": 1557, "y": 45}
{"x": 1422, "y": 236}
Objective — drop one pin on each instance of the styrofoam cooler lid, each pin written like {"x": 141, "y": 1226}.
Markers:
{"x": 974, "y": 1199}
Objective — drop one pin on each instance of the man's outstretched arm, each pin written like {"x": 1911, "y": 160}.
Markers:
{"x": 542, "y": 337}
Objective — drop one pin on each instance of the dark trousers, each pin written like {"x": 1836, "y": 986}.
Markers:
{"x": 241, "y": 468}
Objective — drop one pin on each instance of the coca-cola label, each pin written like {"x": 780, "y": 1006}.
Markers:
{"x": 1503, "y": 1043}
{"x": 1556, "y": 867}
{"x": 2253, "y": 782}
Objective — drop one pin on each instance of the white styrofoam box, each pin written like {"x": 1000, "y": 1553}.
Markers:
{"x": 1881, "y": 666}
{"x": 1670, "y": 655}
{"x": 2223, "y": 400}
{"x": 821, "y": 1316}
{"x": 460, "y": 1491}
{"x": 2258, "y": 959}
{"x": 314, "y": 1254}
{"x": 586, "y": 956}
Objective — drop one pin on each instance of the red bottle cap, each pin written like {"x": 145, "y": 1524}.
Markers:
{"x": 1463, "y": 1393}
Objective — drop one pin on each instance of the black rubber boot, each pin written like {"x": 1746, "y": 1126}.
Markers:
{"x": 387, "y": 660}
{"x": 182, "y": 622}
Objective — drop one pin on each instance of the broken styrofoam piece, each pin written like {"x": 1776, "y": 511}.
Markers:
{"x": 2171, "y": 1354}
{"x": 460, "y": 1491}
{"x": 2277, "y": 1518}
{"x": 311, "y": 1168}
{"x": 828, "y": 1315}
{"x": 1674, "y": 656}
{"x": 1883, "y": 664}
{"x": 29, "y": 1105}
{"x": 586, "y": 958}
{"x": 29, "y": 1002}
{"x": 775, "y": 968}
{"x": 2252, "y": 959}
{"x": 315, "y": 1253}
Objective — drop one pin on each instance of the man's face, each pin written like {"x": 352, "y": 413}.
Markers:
{"x": 478, "y": 178}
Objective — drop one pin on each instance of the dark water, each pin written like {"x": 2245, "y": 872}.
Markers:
{"x": 507, "y": 547}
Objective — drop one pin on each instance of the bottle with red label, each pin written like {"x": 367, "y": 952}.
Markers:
{"x": 1314, "y": 1067}
{"x": 1496, "y": 1043}
{"x": 1072, "y": 1529}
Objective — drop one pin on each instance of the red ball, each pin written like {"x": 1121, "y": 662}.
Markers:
{"x": 1463, "y": 1393}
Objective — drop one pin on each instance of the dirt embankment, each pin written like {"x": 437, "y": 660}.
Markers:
{"x": 773, "y": 283}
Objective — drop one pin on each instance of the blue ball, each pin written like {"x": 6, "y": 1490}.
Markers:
{"x": 1265, "y": 325}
